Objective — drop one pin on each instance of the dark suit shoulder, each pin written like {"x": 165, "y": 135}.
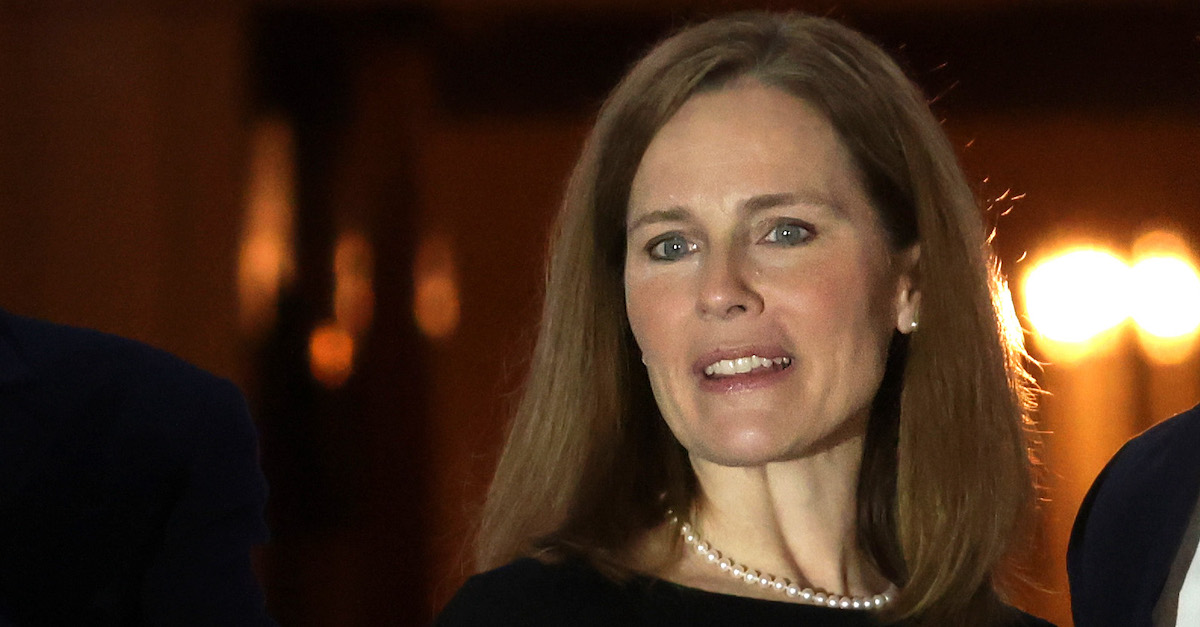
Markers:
{"x": 46, "y": 351}
{"x": 1154, "y": 459}
{"x": 99, "y": 381}
{"x": 1160, "y": 460}
{"x": 129, "y": 483}
{"x": 1131, "y": 521}
{"x": 1178, "y": 433}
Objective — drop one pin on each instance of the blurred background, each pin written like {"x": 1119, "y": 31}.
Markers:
{"x": 343, "y": 207}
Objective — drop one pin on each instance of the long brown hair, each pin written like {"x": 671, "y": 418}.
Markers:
{"x": 946, "y": 476}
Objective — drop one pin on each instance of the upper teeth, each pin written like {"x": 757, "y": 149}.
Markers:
{"x": 744, "y": 364}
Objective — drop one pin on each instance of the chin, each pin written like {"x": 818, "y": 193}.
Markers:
{"x": 741, "y": 444}
{"x": 747, "y": 449}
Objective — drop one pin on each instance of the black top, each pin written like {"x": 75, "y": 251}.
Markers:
{"x": 130, "y": 491}
{"x": 530, "y": 593}
{"x": 1131, "y": 524}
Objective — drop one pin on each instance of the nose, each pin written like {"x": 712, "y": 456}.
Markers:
{"x": 726, "y": 289}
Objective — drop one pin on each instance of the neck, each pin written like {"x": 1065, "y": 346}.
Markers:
{"x": 794, "y": 518}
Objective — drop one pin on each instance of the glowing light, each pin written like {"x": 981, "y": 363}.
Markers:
{"x": 1165, "y": 296}
{"x": 436, "y": 304}
{"x": 331, "y": 354}
{"x": 1165, "y": 302}
{"x": 1076, "y": 296}
{"x": 266, "y": 259}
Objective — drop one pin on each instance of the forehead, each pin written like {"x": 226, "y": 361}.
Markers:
{"x": 742, "y": 140}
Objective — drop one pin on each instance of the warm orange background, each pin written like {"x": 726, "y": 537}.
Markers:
{"x": 441, "y": 131}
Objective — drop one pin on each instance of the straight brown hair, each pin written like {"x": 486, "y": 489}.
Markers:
{"x": 589, "y": 466}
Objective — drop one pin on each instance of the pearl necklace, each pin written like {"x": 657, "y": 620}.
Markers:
{"x": 778, "y": 584}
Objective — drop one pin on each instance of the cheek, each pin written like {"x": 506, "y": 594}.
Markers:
{"x": 838, "y": 300}
{"x": 653, "y": 318}
{"x": 824, "y": 292}
{"x": 652, "y": 308}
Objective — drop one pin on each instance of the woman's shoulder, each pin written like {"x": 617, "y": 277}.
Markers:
{"x": 1029, "y": 620}
{"x": 531, "y": 592}
{"x": 1023, "y": 619}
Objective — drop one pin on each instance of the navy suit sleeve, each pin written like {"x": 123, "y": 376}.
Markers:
{"x": 201, "y": 573}
{"x": 1129, "y": 525}
{"x": 130, "y": 489}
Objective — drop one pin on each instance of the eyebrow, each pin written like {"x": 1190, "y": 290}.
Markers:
{"x": 751, "y": 205}
{"x": 674, "y": 214}
{"x": 769, "y": 201}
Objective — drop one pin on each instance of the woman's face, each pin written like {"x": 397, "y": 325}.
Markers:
{"x": 759, "y": 282}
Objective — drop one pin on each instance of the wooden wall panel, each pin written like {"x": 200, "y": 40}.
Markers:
{"x": 121, "y": 163}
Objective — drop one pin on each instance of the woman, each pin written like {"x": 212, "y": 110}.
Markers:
{"x": 772, "y": 382}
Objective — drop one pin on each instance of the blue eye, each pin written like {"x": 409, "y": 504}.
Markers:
{"x": 671, "y": 247}
{"x": 789, "y": 234}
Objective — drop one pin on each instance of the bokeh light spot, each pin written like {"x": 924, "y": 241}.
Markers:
{"x": 331, "y": 354}
{"x": 1077, "y": 295}
{"x": 1165, "y": 295}
{"x": 266, "y": 261}
{"x": 436, "y": 304}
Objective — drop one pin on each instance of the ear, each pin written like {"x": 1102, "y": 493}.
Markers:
{"x": 908, "y": 295}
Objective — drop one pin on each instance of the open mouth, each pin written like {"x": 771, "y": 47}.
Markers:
{"x": 752, "y": 364}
